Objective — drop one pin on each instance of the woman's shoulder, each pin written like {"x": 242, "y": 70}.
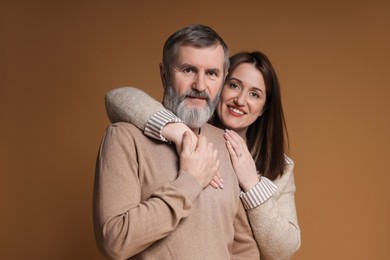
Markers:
{"x": 286, "y": 181}
{"x": 288, "y": 160}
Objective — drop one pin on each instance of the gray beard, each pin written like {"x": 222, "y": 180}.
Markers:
{"x": 192, "y": 117}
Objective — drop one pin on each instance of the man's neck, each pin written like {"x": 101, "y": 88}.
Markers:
{"x": 196, "y": 130}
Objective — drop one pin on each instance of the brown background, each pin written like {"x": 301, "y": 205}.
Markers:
{"x": 59, "y": 58}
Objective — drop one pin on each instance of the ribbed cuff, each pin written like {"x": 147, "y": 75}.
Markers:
{"x": 156, "y": 123}
{"x": 259, "y": 194}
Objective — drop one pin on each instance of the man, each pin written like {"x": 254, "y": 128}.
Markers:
{"x": 148, "y": 204}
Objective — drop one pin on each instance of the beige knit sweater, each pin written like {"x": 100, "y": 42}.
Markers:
{"x": 145, "y": 209}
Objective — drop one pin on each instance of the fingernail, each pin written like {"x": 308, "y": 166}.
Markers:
{"x": 221, "y": 185}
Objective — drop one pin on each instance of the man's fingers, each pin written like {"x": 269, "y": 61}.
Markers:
{"x": 186, "y": 142}
{"x": 215, "y": 154}
{"x": 202, "y": 142}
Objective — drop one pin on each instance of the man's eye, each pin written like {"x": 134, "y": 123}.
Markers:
{"x": 188, "y": 70}
{"x": 212, "y": 73}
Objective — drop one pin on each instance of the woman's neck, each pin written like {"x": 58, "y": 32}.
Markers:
{"x": 241, "y": 132}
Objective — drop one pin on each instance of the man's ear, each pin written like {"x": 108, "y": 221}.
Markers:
{"x": 162, "y": 74}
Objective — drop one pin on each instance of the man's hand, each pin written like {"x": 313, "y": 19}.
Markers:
{"x": 201, "y": 163}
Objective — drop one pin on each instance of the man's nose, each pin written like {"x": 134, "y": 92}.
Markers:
{"x": 199, "y": 83}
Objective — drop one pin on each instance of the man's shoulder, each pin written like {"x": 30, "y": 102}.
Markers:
{"x": 124, "y": 128}
{"x": 133, "y": 134}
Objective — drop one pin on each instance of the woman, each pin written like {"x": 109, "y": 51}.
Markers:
{"x": 250, "y": 107}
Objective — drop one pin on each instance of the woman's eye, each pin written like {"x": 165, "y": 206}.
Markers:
{"x": 234, "y": 86}
{"x": 254, "y": 94}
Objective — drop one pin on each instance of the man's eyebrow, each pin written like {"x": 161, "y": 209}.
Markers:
{"x": 190, "y": 66}
{"x": 187, "y": 65}
{"x": 215, "y": 70}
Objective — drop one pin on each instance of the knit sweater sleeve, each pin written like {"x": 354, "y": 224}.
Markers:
{"x": 274, "y": 223}
{"x": 132, "y": 105}
{"x": 125, "y": 225}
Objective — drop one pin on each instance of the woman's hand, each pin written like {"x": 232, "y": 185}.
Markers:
{"x": 174, "y": 133}
{"x": 242, "y": 160}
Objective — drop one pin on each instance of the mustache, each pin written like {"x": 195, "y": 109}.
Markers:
{"x": 196, "y": 94}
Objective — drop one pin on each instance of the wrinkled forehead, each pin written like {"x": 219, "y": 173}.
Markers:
{"x": 211, "y": 57}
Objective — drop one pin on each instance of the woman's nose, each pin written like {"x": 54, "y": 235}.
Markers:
{"x": 240, "y": 100}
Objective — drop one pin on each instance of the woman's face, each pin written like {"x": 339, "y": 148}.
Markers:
{"x": 243, "y": 98}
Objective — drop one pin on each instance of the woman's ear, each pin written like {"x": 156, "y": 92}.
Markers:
{"x": 265, "y": 107}
{"x": 262, "y": 112}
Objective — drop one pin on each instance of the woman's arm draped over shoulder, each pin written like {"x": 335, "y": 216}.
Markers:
{"x": 131, "y": 105}
{"x": 134, "y": 106}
